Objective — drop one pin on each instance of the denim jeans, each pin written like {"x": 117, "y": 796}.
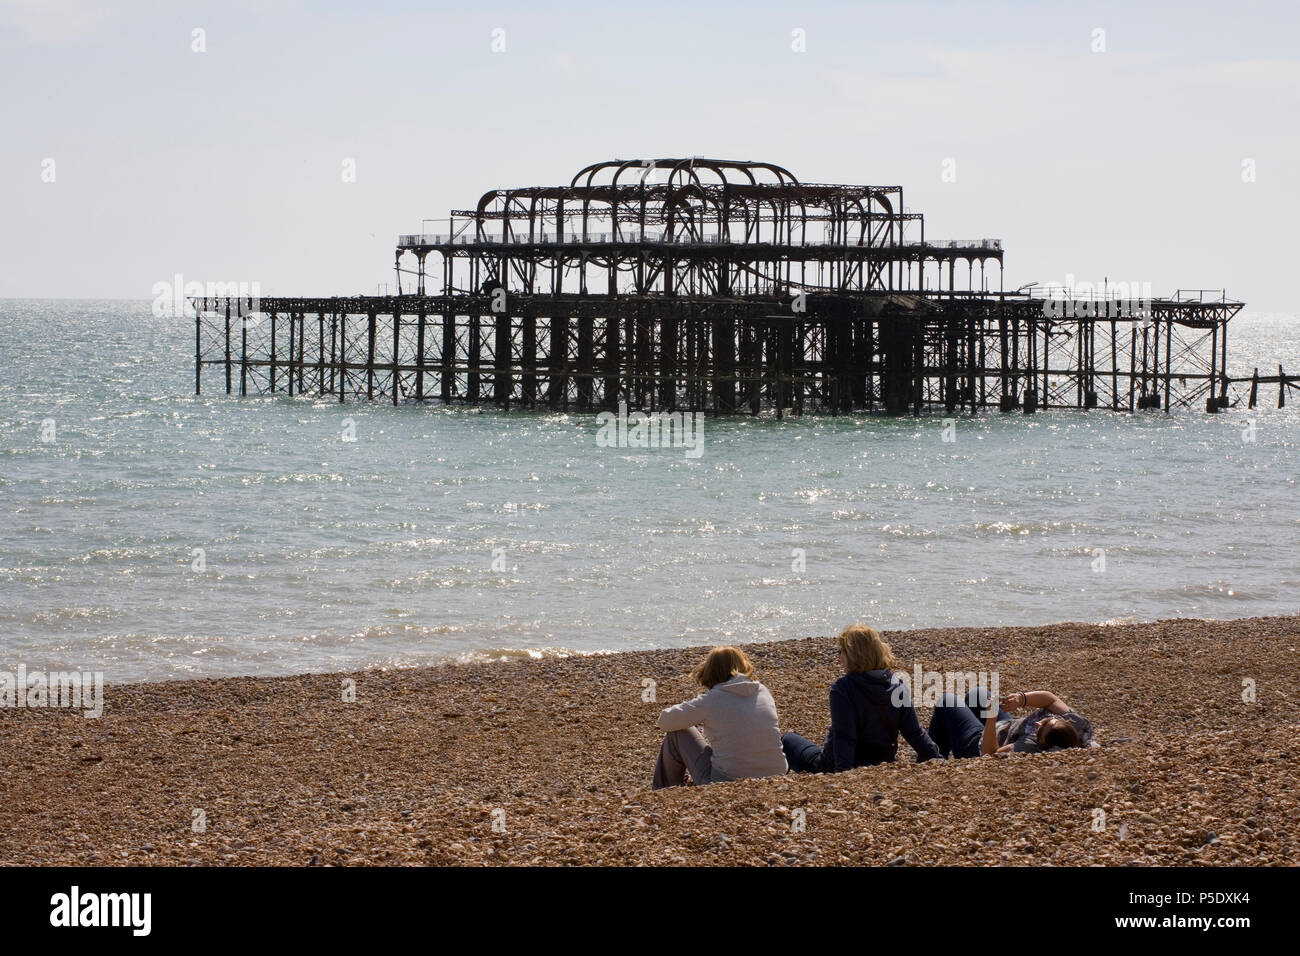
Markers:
{"x": 957, "y": 727}
{"x": 801, "y": 754}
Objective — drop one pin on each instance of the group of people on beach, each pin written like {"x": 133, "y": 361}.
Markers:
{"x": 732, "y": 732}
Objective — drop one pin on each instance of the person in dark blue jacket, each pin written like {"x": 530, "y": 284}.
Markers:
{"x": 870, "y": 707}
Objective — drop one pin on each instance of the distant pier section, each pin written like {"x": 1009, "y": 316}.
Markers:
{"x": 725, "y": 287}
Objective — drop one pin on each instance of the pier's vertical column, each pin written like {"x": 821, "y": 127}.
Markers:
{"x": 396, "y": 380}
{"x": 198, "y": 346}
{"x": 228, "y": 369}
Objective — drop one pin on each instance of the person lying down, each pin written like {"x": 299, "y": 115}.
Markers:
{"x": 965, "y": 729}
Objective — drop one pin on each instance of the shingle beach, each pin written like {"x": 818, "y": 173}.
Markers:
{"x": 548, "y": 762}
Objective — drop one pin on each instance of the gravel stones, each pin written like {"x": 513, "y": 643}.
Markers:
{"x": 548, "y": 762}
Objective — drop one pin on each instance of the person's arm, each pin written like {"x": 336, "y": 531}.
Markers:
{"x": 915, "y": 734}
{"x": 844, "y": 730}
{"x": 680, "y": 716}
{"x": 1034, "y": 700}
{"x": 989, "y": 742}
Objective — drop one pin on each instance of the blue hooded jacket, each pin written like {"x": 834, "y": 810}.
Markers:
{"x": 865, "y": 722}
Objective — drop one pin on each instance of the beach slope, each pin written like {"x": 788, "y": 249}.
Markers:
{"x": 549, "y": 762}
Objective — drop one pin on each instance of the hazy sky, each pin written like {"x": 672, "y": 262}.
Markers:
{"x": 226, "y": 165}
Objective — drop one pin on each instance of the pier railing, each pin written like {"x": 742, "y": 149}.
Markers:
{"x": 414, "y": 240}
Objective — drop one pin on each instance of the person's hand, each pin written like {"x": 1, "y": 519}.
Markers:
{"x": 1013, "y": 702}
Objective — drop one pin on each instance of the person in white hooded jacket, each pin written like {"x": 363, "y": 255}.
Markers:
{"x": 741, "y": 732}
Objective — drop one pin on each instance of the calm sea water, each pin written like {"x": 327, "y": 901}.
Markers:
{"x": 321, "y": 554}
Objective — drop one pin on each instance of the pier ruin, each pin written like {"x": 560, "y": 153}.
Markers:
{"x": 716, "y": 286}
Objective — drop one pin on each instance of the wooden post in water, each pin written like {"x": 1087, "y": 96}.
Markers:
{"x": 1132, "y": 362}
{"x": 1211, "y": 400}
{"x": 528, "y": 361}
{"x": 289, "y": 382}
{"x": 1114, "y": 364}
{"x": 272, "y": 366}
{"x": 1223, "y": 365}
{"x": 370, "y": 355}
{"x": 668, "y": 331}
{"x": 334, "y": 340}
{"x": 1045, "y": 398}
{"x": 1031, "y": 366}
{"x": 472, "y": 380}
{"x": 419, "y": 354}
{"x": 445, "y": 353}
{"x": 447, "y": 358}
{"x": 343, "y": 353}
{"x": 320, "y": 353}
{"x": 198, "y": 345}
{"x": 1169, "y": 366}
{"x": 586, "y": 366}
{"x": 302, "y": 347}
{"x": 228, "y": 369}
{"x": 501, "y": 384}
{"x": 396, "y": 380}
{"x": 1146, "y": 359}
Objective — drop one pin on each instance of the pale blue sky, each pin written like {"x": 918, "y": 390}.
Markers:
{"x": 225, "y": 165}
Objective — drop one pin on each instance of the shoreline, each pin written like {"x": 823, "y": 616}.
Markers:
{"x": 510, "y": 655}
{"x": 547, "y": 761}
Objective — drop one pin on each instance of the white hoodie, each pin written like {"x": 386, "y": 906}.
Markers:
{"x": 739, "y": 718}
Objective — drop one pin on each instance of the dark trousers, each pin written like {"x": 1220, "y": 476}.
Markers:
{"x": 958, "y": 726}
{"x": 801, "y": 754}
{"x": 683, "y": 753}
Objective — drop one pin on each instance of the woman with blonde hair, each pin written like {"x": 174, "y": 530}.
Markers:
{"x": 741, "y": 733}
{"x": 870, "y": 707}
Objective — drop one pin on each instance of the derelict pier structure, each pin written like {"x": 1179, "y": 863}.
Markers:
{"x": 716, "y": 286}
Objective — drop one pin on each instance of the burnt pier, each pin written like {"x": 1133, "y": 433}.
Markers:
{"x": 717, "y": 286}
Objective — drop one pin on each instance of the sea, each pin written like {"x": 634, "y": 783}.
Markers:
{"x": 152, "y": 534}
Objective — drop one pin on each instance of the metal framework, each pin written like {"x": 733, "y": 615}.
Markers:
{"x": 719, "y": 286}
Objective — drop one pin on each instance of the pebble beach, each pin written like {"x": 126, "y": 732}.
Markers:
{"x": 548, "y": 762}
